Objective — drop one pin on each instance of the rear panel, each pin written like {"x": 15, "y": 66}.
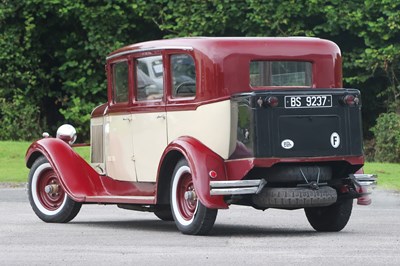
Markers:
{"x": 298, "y": 123}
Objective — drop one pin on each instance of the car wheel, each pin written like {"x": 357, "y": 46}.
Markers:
{"x": 331, "y": 218}
{"x": 47, "y": 197}
{"x": 190, "y": 215}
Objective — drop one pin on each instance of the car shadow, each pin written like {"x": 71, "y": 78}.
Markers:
{"x": 147, "y": 224}
{"x": 219, "y": 229}
{"x": 250, "y": 230}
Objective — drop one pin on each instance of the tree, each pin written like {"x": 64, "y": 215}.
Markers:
{"x": 52, "y": 51}
{"x": 368, "y": 32}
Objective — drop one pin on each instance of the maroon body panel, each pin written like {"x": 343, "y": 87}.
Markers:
{"x": 81, "y": 182}
{"x": 201, "y": 161}
{"x": 100, "y": 110}
{"x": 77, "y": 177}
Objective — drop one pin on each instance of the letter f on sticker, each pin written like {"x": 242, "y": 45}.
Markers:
{"x": 335, "y": 140}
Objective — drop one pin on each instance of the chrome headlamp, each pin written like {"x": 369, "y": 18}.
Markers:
{"x": 67, "y": 133}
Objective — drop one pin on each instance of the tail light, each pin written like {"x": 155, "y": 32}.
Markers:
{"x": 351, "y": 100}
{"x": 271, "y": 101}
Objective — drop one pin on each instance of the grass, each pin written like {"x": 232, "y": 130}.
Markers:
{"x": 388, "y": 174}
{"x": 12, "y": 164}
{"x": 12, "y": 160}
{"x": 13, "y": 169}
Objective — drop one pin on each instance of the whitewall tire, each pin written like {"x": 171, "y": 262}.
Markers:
{"x": 54, "y": 205}
{"x": 190, "y": 215}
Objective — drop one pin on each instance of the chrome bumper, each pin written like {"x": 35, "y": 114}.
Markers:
{"x": 237, "y": 187}
{"x": 364, "y": 180}
{"x": 241, "y": 187}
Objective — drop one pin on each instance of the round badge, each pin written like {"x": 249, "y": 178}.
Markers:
{"x": 335, "y": 140}
{"x": 287, "y": 144}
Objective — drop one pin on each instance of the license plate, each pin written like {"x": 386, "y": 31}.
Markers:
{"x": 308, "y": 101}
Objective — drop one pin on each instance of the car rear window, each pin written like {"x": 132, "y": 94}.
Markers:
{"x": 280, "y": 73}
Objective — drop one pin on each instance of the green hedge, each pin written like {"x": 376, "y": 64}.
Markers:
{"x": 52, "y": 52}
{"x": 387, "y": 138}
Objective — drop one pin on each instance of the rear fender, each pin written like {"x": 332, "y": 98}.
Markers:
{"x": 201, "y": 161}
{"x": 77, "y": 177}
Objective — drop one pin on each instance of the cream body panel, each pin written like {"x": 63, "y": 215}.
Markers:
{"x": 210, "y": 124}
{"x": 149, "y": 141}
{"x": 119, "y": 149}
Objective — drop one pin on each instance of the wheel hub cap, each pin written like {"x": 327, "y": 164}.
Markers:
{"x": 190, "y": 195}
{"x": 51, "y": 189}
{"x": 50, "y": 193}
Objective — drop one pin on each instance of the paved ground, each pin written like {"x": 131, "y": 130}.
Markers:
{"x": 106, "y": 235}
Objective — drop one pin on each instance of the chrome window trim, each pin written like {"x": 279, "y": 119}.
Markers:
{"x": 187, "y": 48}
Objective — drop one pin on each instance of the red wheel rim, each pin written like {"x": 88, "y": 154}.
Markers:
{"x": 187, "y": 208}
{"x": 50, "y": 201}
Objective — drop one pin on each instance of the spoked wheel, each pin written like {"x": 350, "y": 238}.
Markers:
{"x": 47, "y": 196}
{"x": 332, "y": 218}
{"x": 190, "y": 215}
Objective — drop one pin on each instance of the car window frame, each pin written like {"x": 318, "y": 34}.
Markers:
{"x": 309, "y": 69}
{"x": 110, "y": 84}
{"x": 171, "y": 97}
{"x": 133, "y": 60}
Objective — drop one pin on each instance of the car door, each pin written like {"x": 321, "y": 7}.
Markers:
{"x": 119, "y": 148}
{"x": 149, "y": 117}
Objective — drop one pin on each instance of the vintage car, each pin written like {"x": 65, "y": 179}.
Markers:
{"x": 193, "y": 125}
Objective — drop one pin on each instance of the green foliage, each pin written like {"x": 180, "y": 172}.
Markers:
{"x": 54, "y": 50}
{"x": 387, "y": 137}
{"x": 20, "y": 120}
{"x": 78, "y": 114}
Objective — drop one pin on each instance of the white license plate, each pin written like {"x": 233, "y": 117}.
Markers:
{"x": 308, "y": 101}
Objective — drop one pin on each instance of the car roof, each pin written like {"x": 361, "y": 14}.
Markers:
{"x": 219, "y": 47}
{"x": 227, "y": 59}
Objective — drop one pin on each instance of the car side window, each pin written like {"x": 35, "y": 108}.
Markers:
{"x": 120, "y": 82}
{"x": 149, "y": 78}
{"x": 183, "y": 72}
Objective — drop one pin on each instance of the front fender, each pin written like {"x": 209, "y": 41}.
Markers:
{"x": 77, "y": 177}
{"x": 201, "y": 161}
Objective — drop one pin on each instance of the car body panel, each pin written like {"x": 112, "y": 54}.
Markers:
{"x": 204, "y": 125}
{"x": 201, "y": 160}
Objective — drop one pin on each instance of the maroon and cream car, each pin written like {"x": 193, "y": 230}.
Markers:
{"x": 194, "y": 125}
